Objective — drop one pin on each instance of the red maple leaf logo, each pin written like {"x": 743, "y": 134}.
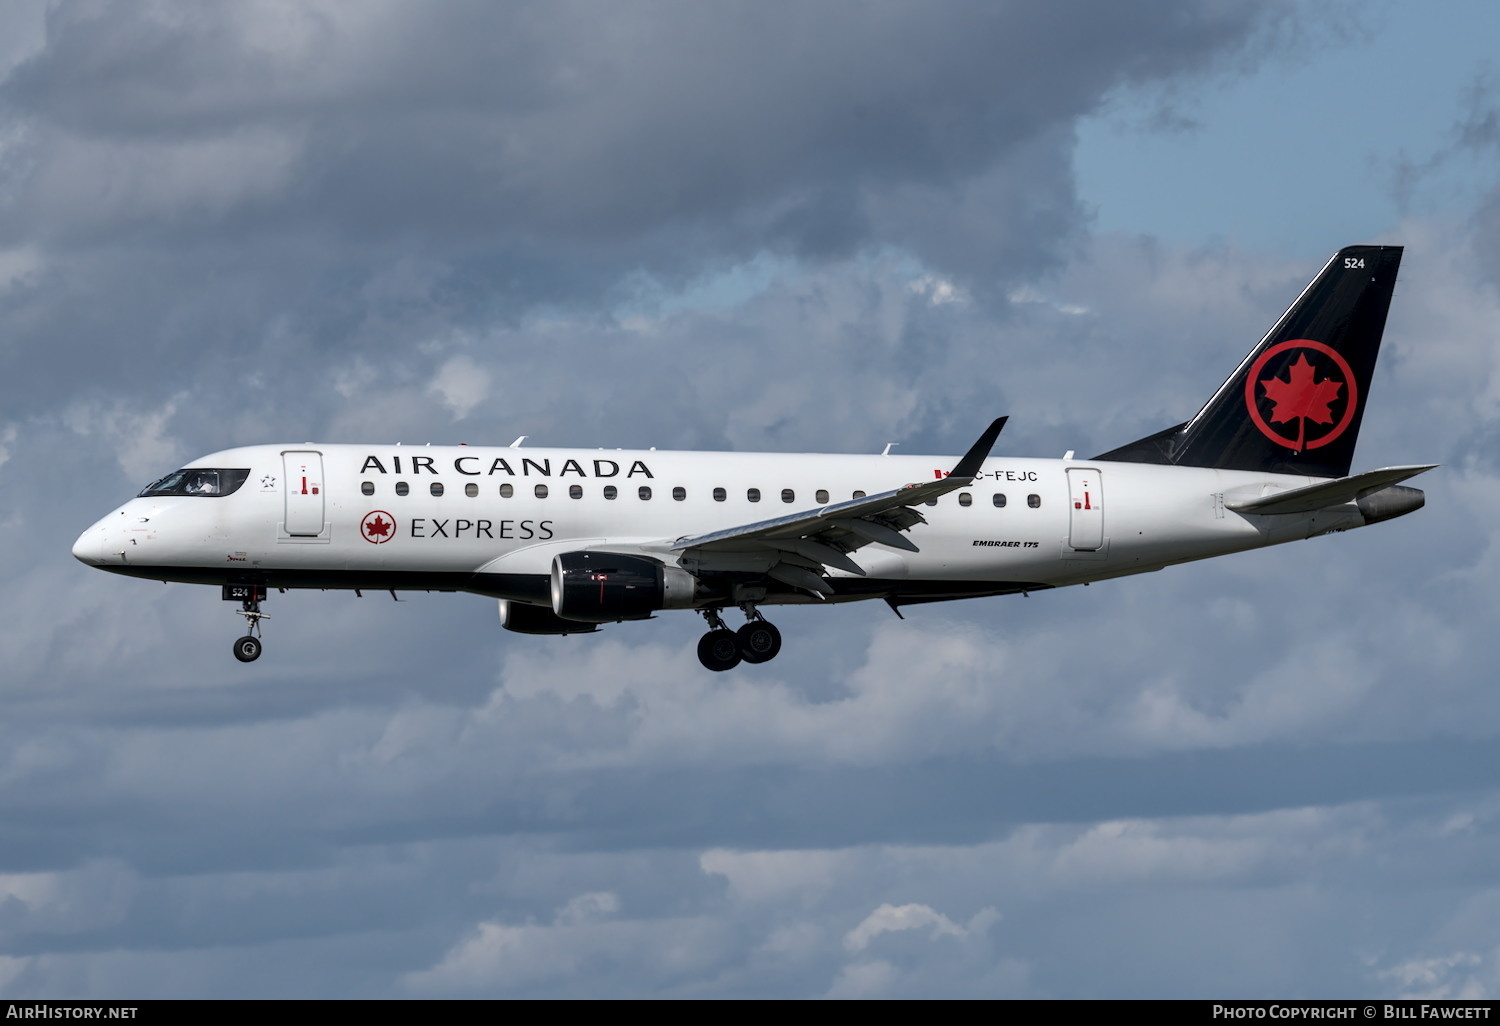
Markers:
{"x": 377, "y": 527}
{"x": 1301, "y": 398}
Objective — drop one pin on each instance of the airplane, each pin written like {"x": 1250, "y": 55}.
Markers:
{"x": 568, "y": 540}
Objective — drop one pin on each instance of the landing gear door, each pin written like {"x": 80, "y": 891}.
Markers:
{"x": 303, "y": 474}
{"x": 1086, "y": 515}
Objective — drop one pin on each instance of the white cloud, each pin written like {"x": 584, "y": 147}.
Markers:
{"x": 64, "y": 904}
{"x": 1461, "y": 976}
{"x": 23, "y": 32}
{"x": 587, "y": 908}
{"x": 7, "y": 439}
{"x": 894, "y": 918}
{"x": 138, "y": 436}
{"x": 1029, "y": 294}
{"x": 497, "y": 958}
{"x": 17, "y": 263}
{"x": 1134, "y": 852}
{"x": 109, "y": 183}
{"x": 865, "y": 979}
{"x": 462, "y": 385}
{"x": 776, "y": 876}
{"x": 937, "y": 290}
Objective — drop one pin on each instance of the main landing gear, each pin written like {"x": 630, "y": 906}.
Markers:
{"x": 724, "y": 649}
{"x": 248, "y": 648}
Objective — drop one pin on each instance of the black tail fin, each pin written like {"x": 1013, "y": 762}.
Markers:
{"x": 1294, "y": 405}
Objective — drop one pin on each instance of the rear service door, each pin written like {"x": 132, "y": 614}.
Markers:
{"x": 304, "y": 492}
{"x": 1086, "y": 520}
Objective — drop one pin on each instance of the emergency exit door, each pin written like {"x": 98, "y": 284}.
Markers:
{"x": 303, "y": 470}
{"x": 1086, "y": 517}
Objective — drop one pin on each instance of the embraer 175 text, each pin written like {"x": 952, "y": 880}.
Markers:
{"x": 568, "y": 539}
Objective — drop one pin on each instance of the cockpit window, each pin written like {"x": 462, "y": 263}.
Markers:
{"x": 198, "y": 481}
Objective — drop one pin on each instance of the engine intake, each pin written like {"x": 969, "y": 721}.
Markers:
{"x": 601, "y": 587}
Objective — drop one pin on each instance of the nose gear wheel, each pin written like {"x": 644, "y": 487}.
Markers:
{"x": 248, "y": 648}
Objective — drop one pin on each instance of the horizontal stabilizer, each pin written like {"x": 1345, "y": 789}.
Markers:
{"x": 1326, "y": 493}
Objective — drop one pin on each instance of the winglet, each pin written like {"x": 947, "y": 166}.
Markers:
{"x": 980, "y": 451}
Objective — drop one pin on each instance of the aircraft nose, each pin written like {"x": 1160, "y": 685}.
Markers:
{"x": 89, "y": 547}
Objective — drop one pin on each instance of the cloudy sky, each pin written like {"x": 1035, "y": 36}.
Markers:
{"x": 769, "y": 226}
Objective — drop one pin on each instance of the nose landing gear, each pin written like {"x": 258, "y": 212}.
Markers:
{"x": 724, "y": 649}
{"x": 248, "y": 648}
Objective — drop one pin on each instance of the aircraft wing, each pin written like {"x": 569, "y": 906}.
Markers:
{"x": 1326, "y": 493}
{"x": 794, "y": 548}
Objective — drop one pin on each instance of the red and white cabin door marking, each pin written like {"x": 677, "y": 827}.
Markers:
{"x": 303, "y": 474}
{"x": 1086, "y": 515}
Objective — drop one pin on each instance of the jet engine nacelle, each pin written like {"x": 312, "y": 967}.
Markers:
{"x": 527, "y": 619}
{"x": 601, "y": 587}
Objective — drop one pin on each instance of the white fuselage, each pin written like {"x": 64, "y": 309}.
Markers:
{"x": 436, "y": 516}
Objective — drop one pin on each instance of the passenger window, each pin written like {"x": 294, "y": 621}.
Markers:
{"x": 644, "y": 492}
{"x": 575, "y": 491}
{"x": 859, "y": 494}
{"x": 610, "y": 491}
{"x": 1034, "y": 501}
{"x": 541, "y": 491}
{"x": 367, "y": 487}
{"x": 998, "y": 499}
{"x": 402, "y": 487}
{"x": 436, "y": 488}
{"x": 753, "y": 494}
{"x": 821, "y": 495}
{"x": 679, "y": 493}
{"x": 787, "y": 495}
{"x": 720, "y": 495}
{"x": 507, "y": 490}
{"x": 471, "y": 490}
{"x": 965, "y": 499}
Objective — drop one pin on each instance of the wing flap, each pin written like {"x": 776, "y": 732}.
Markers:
{"x": 876, "y": 515}
{"x": 818, "y": 552}
{"x": 873, "y": 531}
{"x": 797, "y": 577}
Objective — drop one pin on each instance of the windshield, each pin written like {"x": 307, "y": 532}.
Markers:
{"x": 198, "y": 481}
